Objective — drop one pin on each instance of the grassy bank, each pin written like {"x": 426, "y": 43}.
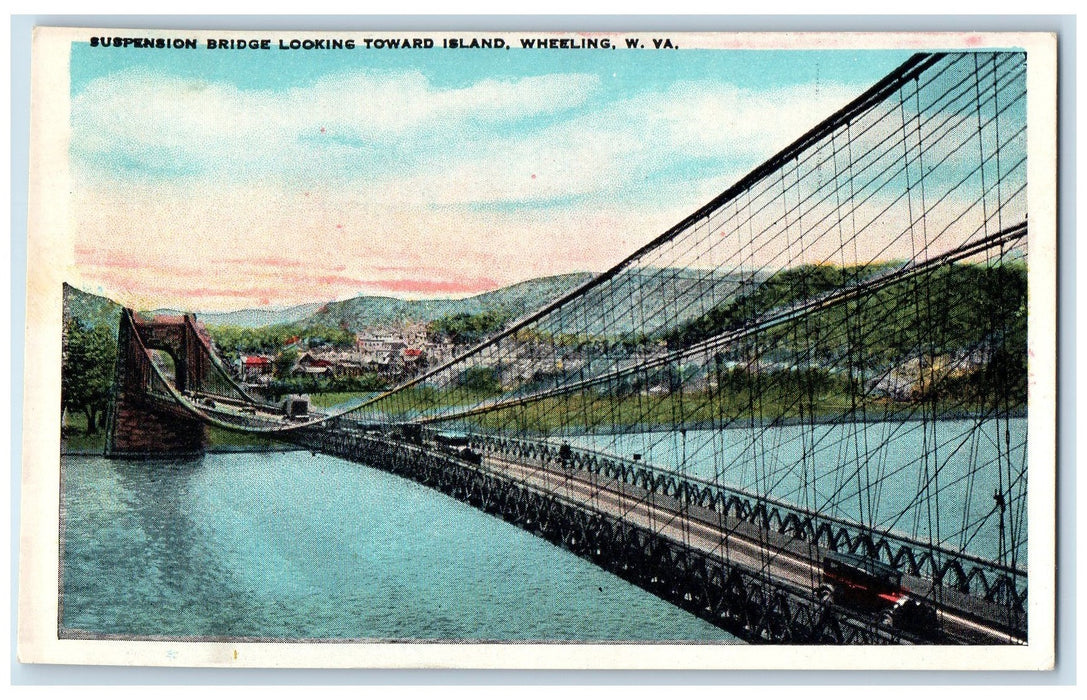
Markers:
{"x": 74, "y": 437}
{"x": 338, "y": 399}
{"x": 782, "y": 399}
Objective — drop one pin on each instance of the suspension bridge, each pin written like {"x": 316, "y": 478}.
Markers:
{"x": 823, "y": 369}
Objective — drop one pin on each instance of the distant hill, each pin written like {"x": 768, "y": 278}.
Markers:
{"x": 257, "y": 318}
{"x": 515, "y": 301}
{"x": 91, "y": 309}
{"x": 674, "y": 290}
{"x": 357, "y": 313}
{"x": 664, "y": 297}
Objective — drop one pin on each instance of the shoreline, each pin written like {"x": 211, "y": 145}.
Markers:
{"x": 220, "y": 449}
{"x": 1019, "y": 413}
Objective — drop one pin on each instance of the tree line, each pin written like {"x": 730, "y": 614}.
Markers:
{"x": 234, "y": 341}
{"x": 87, "y": 371}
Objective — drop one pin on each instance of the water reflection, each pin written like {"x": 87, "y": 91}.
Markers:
{"x": 297, "y": 546}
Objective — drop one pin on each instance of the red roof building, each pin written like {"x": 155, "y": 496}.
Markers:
{"x": 254, "y": 366}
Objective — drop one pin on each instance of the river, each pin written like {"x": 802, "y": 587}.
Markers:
{"x": 930, "y": 480}
{"x": 296, "y": 546}
{"x": 290, "y": 545}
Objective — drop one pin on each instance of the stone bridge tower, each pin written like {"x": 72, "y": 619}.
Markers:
{"x": 138, "y": 424}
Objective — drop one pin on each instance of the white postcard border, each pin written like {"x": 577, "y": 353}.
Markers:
{"x": 48, "y": 258}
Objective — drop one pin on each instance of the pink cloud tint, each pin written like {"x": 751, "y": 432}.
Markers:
{"x": 170, "y": 288}
{"x": 268, "y": 261}
{"x": 417, "y": 286}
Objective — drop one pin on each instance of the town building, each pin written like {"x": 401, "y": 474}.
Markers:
{"x": 252, "y": 367}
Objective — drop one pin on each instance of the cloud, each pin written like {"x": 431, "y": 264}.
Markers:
{"x": 533, "y": 139}
{"x": 163, "y": 240}
{"x": 139, "y": 121}
{"x": 203, "y": 247}
{"x": 386, "y": 183}
{"x": 624, "y": 150}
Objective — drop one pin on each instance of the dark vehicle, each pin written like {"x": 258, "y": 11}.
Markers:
{"x": 456, "y": 444}
{"x": 451, "y": 439}
{"x": 412, "y": 433}
{"x": 295, "y": 406}
{"x": 870, "y": 585}
{"x": 469, "y": 456}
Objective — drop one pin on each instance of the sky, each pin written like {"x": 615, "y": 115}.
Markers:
{"x": 213, "y": 180}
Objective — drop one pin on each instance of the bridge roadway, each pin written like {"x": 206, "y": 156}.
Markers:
{"x": 790, "y": 561}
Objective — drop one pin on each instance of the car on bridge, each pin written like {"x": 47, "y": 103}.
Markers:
{"x": 449, "y": 439}
{"x": 867, "y": 584}
{"x": 456, "y": 444}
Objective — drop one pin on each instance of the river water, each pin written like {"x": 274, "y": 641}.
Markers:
{"x": 930, "y": 480}
{"x": 297, "y": 546}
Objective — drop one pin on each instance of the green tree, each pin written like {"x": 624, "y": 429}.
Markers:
{"x": 90, "y": 356}
{"x": 284, "y": 363}
{"x": 465, "y": 328}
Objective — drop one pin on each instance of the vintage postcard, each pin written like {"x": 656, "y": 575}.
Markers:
{"x": 540, "y": 350}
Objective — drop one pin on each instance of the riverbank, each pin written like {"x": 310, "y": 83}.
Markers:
{"x": 216, "y": 449}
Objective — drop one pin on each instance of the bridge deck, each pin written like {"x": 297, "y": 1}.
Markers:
{"x": 964, "y": 618}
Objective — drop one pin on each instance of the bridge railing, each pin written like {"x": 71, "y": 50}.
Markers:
{"x": 957, "y": 570}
